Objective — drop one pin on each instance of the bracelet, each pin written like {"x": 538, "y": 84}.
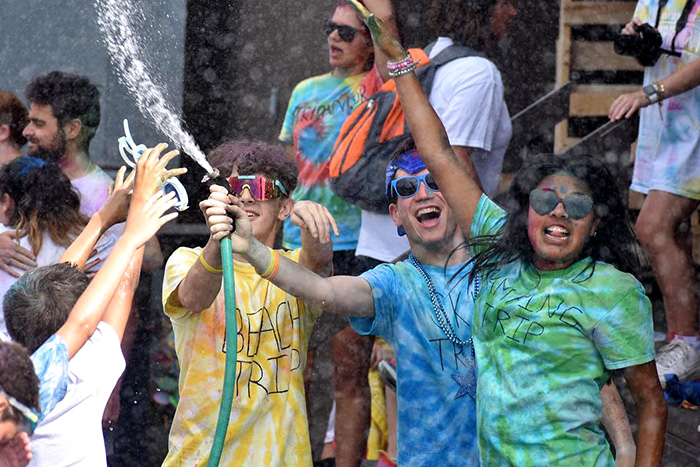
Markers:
{"x": 408, "y": 69}
{"x": 661, "y": 90}
{"x": 403, "y": 63}
{"x": 273, "y": 267}
{"x": 207, "y": 266}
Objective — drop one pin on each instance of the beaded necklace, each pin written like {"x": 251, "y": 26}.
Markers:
{"x": 440, "y": 314}
{"x": 467, "y": 382}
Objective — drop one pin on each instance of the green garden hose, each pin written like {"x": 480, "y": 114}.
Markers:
{"x": 231, "y": 354}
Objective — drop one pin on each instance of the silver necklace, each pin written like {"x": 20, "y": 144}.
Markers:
{"x": 440, "y": 314}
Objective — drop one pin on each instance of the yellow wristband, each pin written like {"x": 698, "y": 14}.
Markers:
{"x": 207, "y": 266}
{"x": 273, "y": 266}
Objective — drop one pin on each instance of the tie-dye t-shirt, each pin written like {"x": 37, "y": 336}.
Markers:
{"x": 317, "y": 110}
{"x": 668, "y": 149}
{"x": 436, "y": 423}
{"x": 268, "y": 424}
{"x": 51, "y": 366}
{"x": 545, "y": 344}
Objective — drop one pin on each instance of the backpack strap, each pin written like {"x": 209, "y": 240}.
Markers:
{"x": 426, "y": 74}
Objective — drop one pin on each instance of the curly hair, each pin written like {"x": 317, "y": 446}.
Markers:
{"x": 17, "y": 377}
{"x": 69, "y": 96}
{"x": 466, "y": 22}
{"x": 45, "y": 201}
{"x": 614, "y": 242}
{"x": 14, "y": 114}
{"x": 255, "y": 157}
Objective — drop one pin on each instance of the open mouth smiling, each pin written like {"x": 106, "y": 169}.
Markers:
{"x": 428, "y": 216}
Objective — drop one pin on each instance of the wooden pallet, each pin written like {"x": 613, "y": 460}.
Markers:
{"x": 591, "y": 100}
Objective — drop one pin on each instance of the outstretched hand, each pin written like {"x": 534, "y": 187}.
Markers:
{"x": 627, "y": 104}
{"x": 381, "y": 34}
{"x": 316, "y": 219}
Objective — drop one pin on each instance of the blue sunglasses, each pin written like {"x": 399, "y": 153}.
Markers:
{"x": 408, "y": 186}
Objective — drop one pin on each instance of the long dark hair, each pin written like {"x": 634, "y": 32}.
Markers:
{"x": 614, "y": 242}
{"x": 466, "y": 22}
{"x": 44, "y": 200}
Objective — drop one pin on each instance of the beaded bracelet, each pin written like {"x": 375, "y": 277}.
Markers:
{"x": 403, "y": 63}
{"x": 273, "y": 267}
{"x": 408, "y": 69}
{"x": 207, "y": 266}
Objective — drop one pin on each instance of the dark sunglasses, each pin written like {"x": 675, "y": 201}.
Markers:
{"x": 576, "y": 205}
{"x": 346, "y": 33}
{"x": 260, "y": 187}
{"x": 408, "y": 186}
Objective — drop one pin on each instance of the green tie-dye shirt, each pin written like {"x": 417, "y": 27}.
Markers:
{"x": 545, "y": 343}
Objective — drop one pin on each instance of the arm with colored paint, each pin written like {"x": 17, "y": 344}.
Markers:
{"x": 456, "y": 176}
{"x": 345, "y": 295}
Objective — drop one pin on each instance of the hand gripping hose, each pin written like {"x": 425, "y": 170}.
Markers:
{"x": 231, "y": 350}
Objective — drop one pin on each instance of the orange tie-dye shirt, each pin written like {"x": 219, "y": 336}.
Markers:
{"x": 268, "y": 424}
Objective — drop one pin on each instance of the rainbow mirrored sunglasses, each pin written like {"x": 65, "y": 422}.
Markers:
{"x": 28, "y": 418}
{"x": 261, "y": 188}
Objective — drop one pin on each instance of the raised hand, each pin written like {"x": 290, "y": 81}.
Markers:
{"x": 381, "y": 34}
{"x": 149, "y": 204}
{"x": 116, "y": 207}
{"x": 151, "y": 173}
{"x": 316, "y": 219}
{"x": 12, "y": 255}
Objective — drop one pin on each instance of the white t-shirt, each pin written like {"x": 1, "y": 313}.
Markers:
{"x": 50, "y": 253}
{"x": 467, "y": 95}
{"x": 93, "y": 188}
{"x": 71, "y": 434}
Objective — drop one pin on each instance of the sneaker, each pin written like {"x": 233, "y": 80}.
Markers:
{"x": 388, "y": 374}
{"x": 680, "y": 359}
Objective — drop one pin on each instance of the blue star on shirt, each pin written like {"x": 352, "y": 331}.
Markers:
{"x": 467, "y": 385}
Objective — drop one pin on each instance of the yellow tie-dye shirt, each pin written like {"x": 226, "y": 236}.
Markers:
{"x": 268, "y": 424}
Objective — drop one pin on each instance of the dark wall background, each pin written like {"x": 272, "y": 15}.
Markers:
{"x": 244, "y": 57}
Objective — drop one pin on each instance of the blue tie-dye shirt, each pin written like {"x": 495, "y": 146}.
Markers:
{"x": 545, "y": 343}
{"x": 51, "y": 366}
{"x": 436, "y": 416}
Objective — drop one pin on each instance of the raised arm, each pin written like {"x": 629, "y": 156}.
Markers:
{"x": 119, "y": 308}
{"x": 147, "y": 214}
{"x": 457, "y": 178}
{"x": 384, "y": 10}
{"x": 112, "y": 212}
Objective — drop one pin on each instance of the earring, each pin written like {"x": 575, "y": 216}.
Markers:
{"x": 594, "y": 234}
{"x": 400, "y": 231}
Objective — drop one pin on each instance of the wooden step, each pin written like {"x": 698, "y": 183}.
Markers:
{"x": 594, "y": 100}
{"x": 580, "y": 13}
{"x": 600, "y": 56}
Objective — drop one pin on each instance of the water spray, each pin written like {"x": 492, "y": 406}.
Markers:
{"x": 114, "y": 19}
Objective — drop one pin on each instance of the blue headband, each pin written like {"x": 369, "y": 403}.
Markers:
{"x": 30, "y": 163}
{"x": 409, "y": 161}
